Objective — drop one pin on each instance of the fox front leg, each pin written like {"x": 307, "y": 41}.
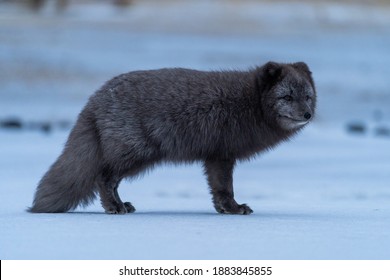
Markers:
{"x": 220, "y": 179}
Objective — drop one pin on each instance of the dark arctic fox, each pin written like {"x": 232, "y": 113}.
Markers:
{"x": 142, "y": 118}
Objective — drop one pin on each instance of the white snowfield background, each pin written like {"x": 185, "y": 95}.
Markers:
{"x": 323, "y": 195}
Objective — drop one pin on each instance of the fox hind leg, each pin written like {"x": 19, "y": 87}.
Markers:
{"x": 109, "y": 183}
{"x": 109, "y": 197}
{"x": 129, "y": 207}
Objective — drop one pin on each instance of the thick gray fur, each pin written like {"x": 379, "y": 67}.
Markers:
{"x": 140, "y": 119}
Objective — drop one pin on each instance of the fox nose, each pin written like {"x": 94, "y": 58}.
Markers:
{"x": 307, "y": 115}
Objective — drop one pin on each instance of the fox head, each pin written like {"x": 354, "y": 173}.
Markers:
{"x": 288, "y": 94}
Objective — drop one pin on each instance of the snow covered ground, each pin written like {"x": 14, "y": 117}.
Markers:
{"x": 324, "y": 195}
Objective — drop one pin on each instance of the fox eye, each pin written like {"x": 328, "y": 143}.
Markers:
{"x": 288, "y": 98}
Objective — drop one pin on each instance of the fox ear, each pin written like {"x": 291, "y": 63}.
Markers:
{"x": 268, "y": 75}
{"x": 272, "y": 69}
{"x": 302, "y": 66}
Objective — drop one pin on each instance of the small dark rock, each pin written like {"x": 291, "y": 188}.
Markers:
{"x": 43, "y": 126}
{"x": 46, "y": 127}
{"x": 356, "y": 127}
{"x": 382, "y": 131}
{"x": 11, "y": 123}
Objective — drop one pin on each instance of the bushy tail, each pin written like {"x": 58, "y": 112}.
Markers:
{"x": 70, "y": 181}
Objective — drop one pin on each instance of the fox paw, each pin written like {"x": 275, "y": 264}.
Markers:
{"x": 240, "y": 209}
{"x": 244, "y": 210}
{"x": 129, "y": 208}
{"x": 120, "y": 209}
